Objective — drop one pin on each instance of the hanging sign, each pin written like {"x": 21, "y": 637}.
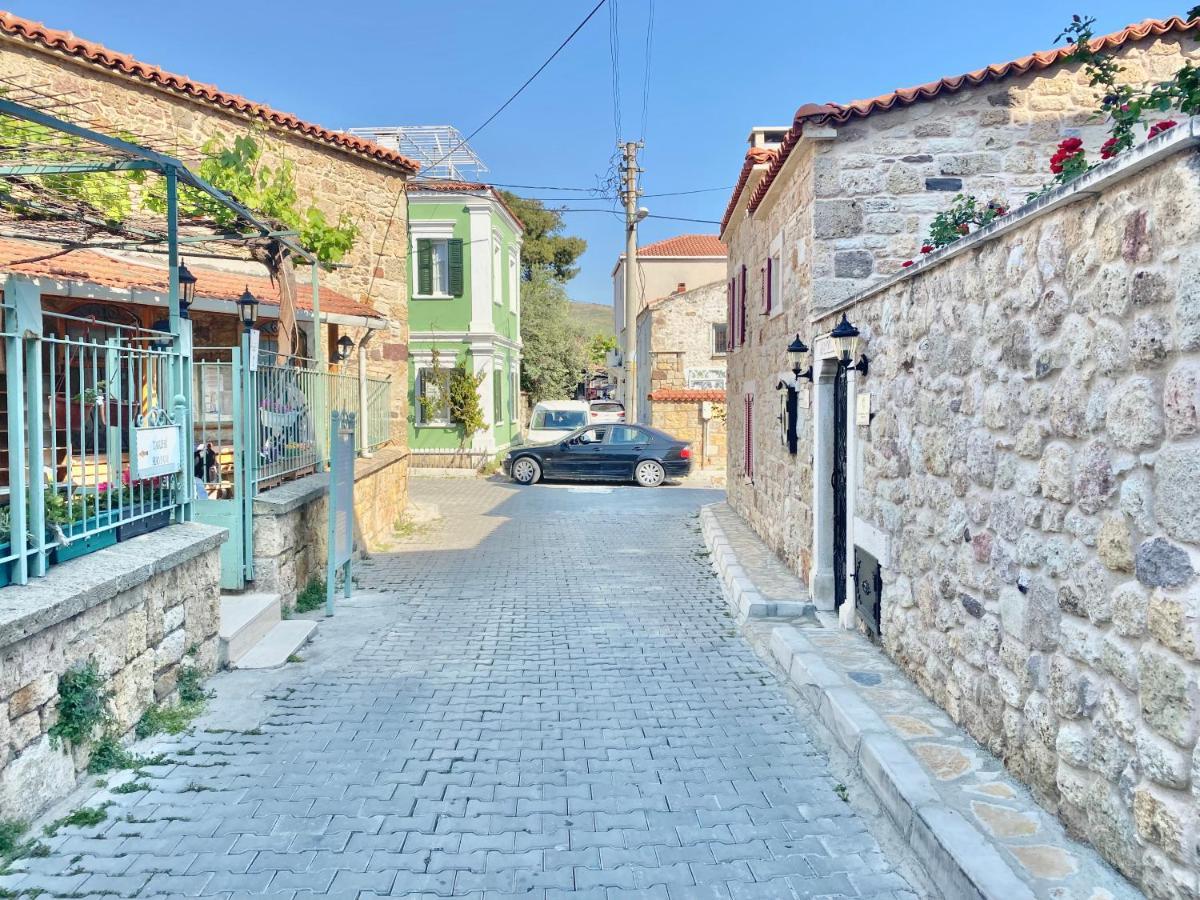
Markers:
{"x": 156, "y": 451}
{"x": 255, "y": 338}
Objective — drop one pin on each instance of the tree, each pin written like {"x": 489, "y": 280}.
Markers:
{"x": 555, "y": 353}
{"x": 545, "y": 248}
{"x": 599, "y": 347}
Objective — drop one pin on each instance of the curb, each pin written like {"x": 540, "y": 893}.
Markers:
{"x": 744, "y": 600}
{"x": 956, "y": 855}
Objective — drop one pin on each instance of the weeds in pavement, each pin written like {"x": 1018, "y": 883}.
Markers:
{"x": 312, "y": 597}
{"x": 84, "y": 817}
{"x": 842, "y": 791}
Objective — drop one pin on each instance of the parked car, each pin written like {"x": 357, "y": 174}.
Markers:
{"x": 603, "y": 411}
{"x": 553, "y": 420}
{"x": 613, "y": 452}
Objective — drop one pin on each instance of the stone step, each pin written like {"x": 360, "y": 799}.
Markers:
{"x": 245, "y": 620}
{"x": 279, "y": 643}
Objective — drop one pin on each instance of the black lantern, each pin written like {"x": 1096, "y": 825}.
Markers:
{"x": 847, "y": 342}
{"x": 796, "y": 351}
{"x": 345, "y": 345}
{"x": 187, "y": 290}
{"x": 248, "y": 307}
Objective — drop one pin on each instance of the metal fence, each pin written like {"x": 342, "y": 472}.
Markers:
{"x": 77, "y": 399}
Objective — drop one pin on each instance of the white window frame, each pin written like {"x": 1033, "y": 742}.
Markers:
{"x": 438, "y": 232}
{"x": 514, "y": 386}
{"x": 419, "y": 412}
{"x": 497, "y": 269}
{"x": 776, "y": 254}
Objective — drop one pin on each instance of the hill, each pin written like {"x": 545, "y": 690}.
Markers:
{"x": 592, "y": 318}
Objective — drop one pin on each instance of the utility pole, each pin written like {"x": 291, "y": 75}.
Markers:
{"x": 633, "y": 215}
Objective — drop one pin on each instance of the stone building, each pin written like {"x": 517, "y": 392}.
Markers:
{"x": 681, "y": 376}
{"x": 1018, "y": 458}
{"x": 147, "y": 606}
{"x": 687, "y": 259}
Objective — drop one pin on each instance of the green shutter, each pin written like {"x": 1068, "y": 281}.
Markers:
{"x": 424, "y": 266}
{"x": 454, "y": 257}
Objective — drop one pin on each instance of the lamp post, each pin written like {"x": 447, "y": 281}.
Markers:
{"x": 187, "y": 289}
{"x": 248, "y": 309}
{"x": 248, "y": 446}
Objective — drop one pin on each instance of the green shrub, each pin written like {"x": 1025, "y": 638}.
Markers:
{"x": 312, "y": 597}
{"x": 190, "y": 683}
{"x": 82, "y": 705}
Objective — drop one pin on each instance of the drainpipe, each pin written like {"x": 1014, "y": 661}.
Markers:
{"x": 364, "y": 423}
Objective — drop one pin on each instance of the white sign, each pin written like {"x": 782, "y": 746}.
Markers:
{"x": 705, "y": 379}
{"x": 255, "y": 337}
{"x": 156, "y": 451}
{"x": 864, "y": 410}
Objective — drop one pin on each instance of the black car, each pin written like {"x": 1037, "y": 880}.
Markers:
{"x": 613, "y": 451}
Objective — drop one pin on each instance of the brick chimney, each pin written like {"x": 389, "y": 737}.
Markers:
{"x": 680, "y": 288}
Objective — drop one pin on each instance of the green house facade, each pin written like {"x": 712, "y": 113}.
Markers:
{"x": 464, "y": 309}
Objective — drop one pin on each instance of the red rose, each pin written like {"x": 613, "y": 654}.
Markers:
{"x": 964, "y": 228}
{"x": 1159, "y": 127}
{"x": 906, "y": 264}
{"x": 1109, "y": 148}
{"x": 1071, "y": 145}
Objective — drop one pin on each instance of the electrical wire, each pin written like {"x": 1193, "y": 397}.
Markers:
{"x": 646, "y": 73}
{"x": 614, "y": 54}
{"x": 503, "y": 106}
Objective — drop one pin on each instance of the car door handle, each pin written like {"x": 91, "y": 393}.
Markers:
{"x": 639, "y": 447}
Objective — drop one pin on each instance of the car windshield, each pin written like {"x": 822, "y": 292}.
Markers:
{"x": 607, "y": 407}
{"x": 559, "y": 419}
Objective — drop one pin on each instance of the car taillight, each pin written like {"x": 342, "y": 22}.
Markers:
{"x": 685, "y": 453}
{"x": 594, "y": 414}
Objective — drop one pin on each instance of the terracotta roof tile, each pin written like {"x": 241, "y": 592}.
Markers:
{"x": 67, "y": 44}
{"x": 98, "y": 268}
{"x": 686, "y": 245}
{"x": 755, "y": 156}
{"x": 686, "y": 395}
{"x": 455, "y": 187}
{"x": 836, "y": 113}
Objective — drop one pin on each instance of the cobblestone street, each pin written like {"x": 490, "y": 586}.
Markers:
{"x": 539, "y": 695}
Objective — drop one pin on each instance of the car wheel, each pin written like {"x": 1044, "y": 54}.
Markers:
{"x": 649, "y": 473}
{"x": 526, "y": 470}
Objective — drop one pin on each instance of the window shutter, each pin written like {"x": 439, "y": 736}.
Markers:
{"x": 731, "y": 339}
{"x": 748, "y": 438}
{"x": 764, "y": 301}
{"x": 742, "y": 307}
{"x": 769, "y": 285}
{"x": 454, "y": 263}
{"x": 424, "y": 266}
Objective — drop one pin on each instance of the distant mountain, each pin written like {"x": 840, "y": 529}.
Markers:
{"x": 592, "y": 318}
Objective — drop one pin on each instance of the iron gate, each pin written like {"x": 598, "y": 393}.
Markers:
{"x": 838, "y": 481}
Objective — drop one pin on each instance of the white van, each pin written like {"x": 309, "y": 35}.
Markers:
{"x": 553, "y": 420}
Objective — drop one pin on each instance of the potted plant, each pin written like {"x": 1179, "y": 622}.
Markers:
{"x": 79, "y": 522}
{"x": 152, "y": 499}
{"x": 5, "y": 544}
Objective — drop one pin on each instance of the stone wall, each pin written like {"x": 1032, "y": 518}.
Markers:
{"x": 135, "y": 609}
{"x": 336, "y": 180}
{"x": 291, "y": 522}
{"x": 1033, "y": 468}
{"x": 682, "y": 419}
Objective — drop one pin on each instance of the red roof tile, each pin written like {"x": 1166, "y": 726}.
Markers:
{"x": 686, "y": 245}
{"x": 755, "y": 156}
{"x": 687, "y": 395}
{"x": 455, "y": 187}
{"x": 64, "y": 42}
{"x": 98, "y": 268}
{"x": 836, "y": 113}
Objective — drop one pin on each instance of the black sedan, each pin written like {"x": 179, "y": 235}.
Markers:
{"x": 613, "y": 452}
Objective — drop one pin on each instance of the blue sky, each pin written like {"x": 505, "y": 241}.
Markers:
{"x": 716, "y": 69}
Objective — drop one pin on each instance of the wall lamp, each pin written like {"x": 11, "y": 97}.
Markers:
{"x": 248, "y": 308}
{"x": 187, "y": 289}
{"x": 345, "y": 345}
{"x": 847, "y": 342}
{"x": 796, "y": 350}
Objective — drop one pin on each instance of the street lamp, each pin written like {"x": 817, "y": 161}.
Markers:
{"x": 187, "y": 290}
{"x": 796, "y": 351}
{"x": 846, "y": 341}
{"x": 248, "y": 307}
{"x": 345, "y": 345}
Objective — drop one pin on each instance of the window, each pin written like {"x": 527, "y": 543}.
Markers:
{"x": 497, "y": 396}
{"x": 432, "y": 407}
{"x": 720, "y": 338}
{"x": 559, "y": 419}
{"x": 514, "y": 282}
{"x": 627, "y": 434}
{"x": 593, "y": 436}
{"x": 439, "y": 267}
{"x": 497, "y": 273}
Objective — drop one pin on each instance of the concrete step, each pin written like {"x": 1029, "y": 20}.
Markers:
{"x": 279, "y": 643}
{"x": 245, "y": 620}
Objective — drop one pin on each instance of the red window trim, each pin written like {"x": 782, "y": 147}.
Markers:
{"x": 742, "y": 310}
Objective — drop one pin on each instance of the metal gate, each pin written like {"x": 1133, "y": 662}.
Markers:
{"x": 220, "y": 459}
{"x": 838, "y": 481}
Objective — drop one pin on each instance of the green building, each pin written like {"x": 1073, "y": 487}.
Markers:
{"x": 464, "y": 310}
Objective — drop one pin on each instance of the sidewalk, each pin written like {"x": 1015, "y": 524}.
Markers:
{"x": 975, "y": 829}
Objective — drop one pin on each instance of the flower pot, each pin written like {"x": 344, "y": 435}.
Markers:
{"x": 82, "y": 546}
{"x": 144, "y": 525}
{"x": 6, "y": 567}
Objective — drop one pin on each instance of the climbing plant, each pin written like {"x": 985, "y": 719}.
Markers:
{"x": 453, "y": 391}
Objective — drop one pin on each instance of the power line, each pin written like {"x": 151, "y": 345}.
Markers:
{"x": 646, "y": 74}
{"x": 503, "y": 106}
{"x": 696, "y": 191}
{"x": 614, "y": 53}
